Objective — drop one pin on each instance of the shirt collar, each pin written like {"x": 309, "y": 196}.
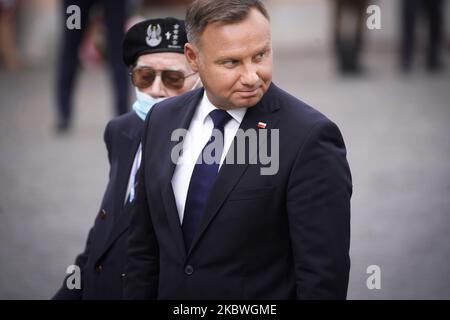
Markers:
{"x": 206, "y": 107}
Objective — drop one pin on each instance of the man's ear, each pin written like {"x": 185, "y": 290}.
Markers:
{"x": 191, "y": 55}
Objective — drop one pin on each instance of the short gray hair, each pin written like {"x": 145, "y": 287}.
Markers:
{"x": 203, "y": 12}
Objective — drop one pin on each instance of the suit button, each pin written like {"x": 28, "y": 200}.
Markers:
{"x": 123, "y": 275}
{"x": 102, "y": 214}
{"x": 189, "y": 270}
{"x": 99, "y": 268}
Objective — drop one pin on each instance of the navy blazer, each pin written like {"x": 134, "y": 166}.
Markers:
{"x": 103, "y": 261}
{"x": 282, "y": 236}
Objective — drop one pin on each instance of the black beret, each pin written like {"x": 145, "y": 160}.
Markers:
{"x": 152, "y": 36}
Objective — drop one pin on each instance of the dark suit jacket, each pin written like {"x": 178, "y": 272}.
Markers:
{"x": 282, "y": 236}
{"x": 102, "y": 263}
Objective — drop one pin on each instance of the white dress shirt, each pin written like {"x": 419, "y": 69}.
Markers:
{"x": 199, "y": 132}
{"x": 131, "y": 190}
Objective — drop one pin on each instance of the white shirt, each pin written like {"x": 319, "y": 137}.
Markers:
{"x": 199, "y": 132}
{"x": 131, "y": 190}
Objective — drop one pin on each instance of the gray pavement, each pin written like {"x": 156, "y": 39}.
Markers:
{"x": 398, "y": 140}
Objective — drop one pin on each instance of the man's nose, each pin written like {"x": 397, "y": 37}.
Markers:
{"x": 157, "y": 89}
{"x": 249, "y": 76}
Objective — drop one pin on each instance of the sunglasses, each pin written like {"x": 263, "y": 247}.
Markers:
{"x": 143, "y": 77}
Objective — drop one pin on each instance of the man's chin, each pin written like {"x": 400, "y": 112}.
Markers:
{"x": 244, "y": 102}
{"x": 248, "y": 103}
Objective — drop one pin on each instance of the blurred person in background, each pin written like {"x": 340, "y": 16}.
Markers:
{"x": 433, "y": 12}
{"x": 153, "y": 52}
{"x": 8, "y": 51}
{"x": 68, "y": 63}
{"x": 349, "y": 24}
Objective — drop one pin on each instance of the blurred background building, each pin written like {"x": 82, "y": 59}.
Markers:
{"x": 395, "y": 125}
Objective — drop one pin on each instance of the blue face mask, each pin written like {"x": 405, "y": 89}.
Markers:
{"x": 144, "y": 102}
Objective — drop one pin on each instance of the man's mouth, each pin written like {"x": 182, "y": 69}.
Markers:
{"x": 248, "y": 93}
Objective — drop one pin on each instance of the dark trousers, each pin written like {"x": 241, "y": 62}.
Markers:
{"x": 348, "y": 46}
{"x": 433, "y": 13}
{"x": 68, "y": 64}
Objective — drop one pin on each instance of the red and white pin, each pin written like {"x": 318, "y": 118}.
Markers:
{"x": 262, "y": 125}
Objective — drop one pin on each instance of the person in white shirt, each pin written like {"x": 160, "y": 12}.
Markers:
{"x": 231, "y": 229}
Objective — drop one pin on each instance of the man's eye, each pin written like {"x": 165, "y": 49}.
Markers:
{"x": 260, "y": 56}
{"x": 229, "y": 63}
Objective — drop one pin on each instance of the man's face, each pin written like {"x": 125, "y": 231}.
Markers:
{"x": 234, "y": 61}
{"x": 166, "y": 61}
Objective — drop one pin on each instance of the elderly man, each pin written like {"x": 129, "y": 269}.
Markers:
{"x": 153, "y": 51}
{"x": 227, "y": 229}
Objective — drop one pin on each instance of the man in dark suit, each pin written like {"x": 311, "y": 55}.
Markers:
{"x": 227, "y": 229}
{"x": 159, "y": 70}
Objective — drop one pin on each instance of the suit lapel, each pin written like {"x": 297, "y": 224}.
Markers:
{"x": 230, "y": 174}
{"x": 128, "y": 145}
